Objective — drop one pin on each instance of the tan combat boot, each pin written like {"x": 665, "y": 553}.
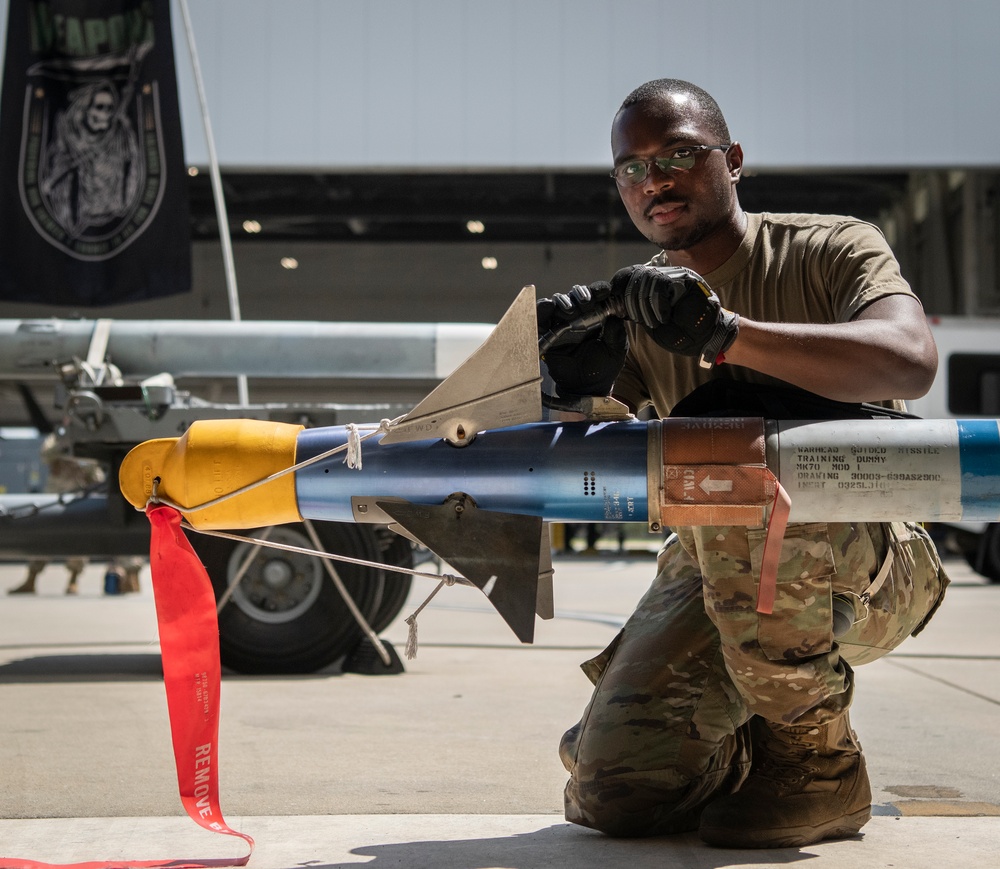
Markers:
{"x": 808, "y": 783}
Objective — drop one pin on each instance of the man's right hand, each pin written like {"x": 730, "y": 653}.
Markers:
{"x": 589, "y": 352}
{"x": 678, "y": 309}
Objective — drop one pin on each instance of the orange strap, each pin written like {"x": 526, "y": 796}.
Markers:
{"x": 715, "y": 473}
{"x": 189, "y": 646}
{"x": 771, "y": 556}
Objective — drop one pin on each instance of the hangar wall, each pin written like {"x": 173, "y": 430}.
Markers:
{"x": 534, "y": 83}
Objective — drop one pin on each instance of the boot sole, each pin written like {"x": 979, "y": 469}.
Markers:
{"x": 789, "y": 837}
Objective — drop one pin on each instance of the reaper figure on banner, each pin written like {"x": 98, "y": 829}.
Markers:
{"x": 92, "y": 172}
{"x": 92, "y": 169}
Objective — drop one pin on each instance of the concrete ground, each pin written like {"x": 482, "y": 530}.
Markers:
{"x": 453, "y": 763}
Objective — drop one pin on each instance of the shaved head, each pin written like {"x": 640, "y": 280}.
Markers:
{"x": 677, "y": 95}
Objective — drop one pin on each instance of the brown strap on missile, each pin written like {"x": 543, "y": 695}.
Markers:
{"x": 715, "y": 473}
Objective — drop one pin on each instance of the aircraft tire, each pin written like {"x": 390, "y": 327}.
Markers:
{"x": 286, "y": 615}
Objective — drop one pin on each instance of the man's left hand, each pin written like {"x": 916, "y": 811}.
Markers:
{"x": 590, "y": 351}
{"x": 679, "y": 310}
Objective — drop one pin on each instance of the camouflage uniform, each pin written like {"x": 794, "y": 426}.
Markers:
{"x": 666, "y": 729}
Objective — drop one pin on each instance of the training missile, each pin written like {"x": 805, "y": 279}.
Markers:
{"x": 661, "y": 472}
{"x": 476, "y": 494}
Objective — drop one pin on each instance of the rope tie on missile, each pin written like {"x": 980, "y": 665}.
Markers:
{"x": 353, "y": 457}
{"x": 411, "y": 620}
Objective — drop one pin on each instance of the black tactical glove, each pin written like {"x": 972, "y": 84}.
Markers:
{"x": 583, "y": 348}
{"x": 679, "y": 310}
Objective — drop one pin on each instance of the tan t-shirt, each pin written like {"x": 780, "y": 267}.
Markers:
{"x": 789, "y": 268}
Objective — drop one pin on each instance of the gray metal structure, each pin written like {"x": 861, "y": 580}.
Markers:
{"x": 222, "y": 348}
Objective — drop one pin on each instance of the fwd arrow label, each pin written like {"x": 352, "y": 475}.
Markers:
{"x": 708, "y": 485}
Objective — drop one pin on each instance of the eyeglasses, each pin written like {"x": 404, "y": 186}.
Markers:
{"x": 634, "y": 172}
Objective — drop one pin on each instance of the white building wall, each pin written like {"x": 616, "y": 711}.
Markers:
{"x": 534, "y": 83}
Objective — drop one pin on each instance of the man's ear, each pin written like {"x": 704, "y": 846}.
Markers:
{"x": 734, "y": 159}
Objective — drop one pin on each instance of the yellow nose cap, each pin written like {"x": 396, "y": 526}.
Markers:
{"x": 215, "y": 458}
{"x": 140, "y": 467}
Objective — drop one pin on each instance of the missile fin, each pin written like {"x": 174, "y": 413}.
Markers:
{"x": 499, "y": 385}
{"x": 505, "y": 555}
{"x": 544, "y": 604}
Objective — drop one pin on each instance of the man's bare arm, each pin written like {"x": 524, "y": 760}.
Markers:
{"x": 886, "y": 352}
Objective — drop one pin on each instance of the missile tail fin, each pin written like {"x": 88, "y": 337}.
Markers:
{"x": 507, "y": 556}
{"x": 499, "y": 385}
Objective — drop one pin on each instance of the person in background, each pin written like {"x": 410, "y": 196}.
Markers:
{"x": 66, "y": 474}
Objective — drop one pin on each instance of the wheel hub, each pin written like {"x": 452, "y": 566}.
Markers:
{"x": 277, "y": 587}
{"x": 277, "y": 573}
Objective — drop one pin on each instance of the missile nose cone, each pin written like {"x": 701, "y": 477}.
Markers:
{"x": 215, "y": 458}
{"x": 140, "y": 467}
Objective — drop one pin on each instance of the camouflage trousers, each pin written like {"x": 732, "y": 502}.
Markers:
{"x": 666, "y": 729}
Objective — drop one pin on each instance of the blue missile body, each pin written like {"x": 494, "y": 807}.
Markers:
{"x": 577, "y": 472}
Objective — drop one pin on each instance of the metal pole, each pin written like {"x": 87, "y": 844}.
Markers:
{"x": 220, "y": 203}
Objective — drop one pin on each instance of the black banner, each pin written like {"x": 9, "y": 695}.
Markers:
{"x": 93, "y": 192}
